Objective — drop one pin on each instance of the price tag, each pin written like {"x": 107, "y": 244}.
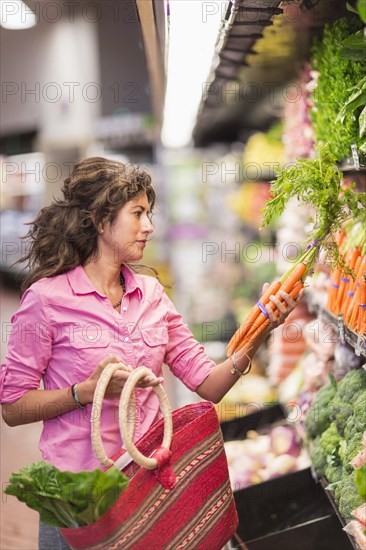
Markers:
{"x": 341, "y": 332}
{"x": 355, "y": 157}
{"x": 360, "y": 347}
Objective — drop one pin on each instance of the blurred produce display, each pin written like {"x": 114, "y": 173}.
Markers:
{"x": 298, "y": 132}
{"x": 288, "y": 344}
{"x": 248, "y": 201}
{"x": 263, "y": 456}
{"x": 263, "y": 153}
{"x": 246, "y": 396}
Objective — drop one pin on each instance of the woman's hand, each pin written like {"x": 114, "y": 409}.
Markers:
{"x": 86, "y": 389}
{"x": 284, "y": 308}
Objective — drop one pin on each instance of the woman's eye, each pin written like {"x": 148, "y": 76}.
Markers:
{"x": 138, "y": 214}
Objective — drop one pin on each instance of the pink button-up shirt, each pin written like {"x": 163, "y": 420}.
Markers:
{"x": 64, "y": 327}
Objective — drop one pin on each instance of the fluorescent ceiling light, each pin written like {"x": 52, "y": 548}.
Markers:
{"x": 194, "y": 30}
{"x": 16, "y": 15}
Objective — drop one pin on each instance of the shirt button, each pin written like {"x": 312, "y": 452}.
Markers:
{"x": 124, "y": 308}
{"x": 90, "y": 337}
{"x": 126, "y": 339}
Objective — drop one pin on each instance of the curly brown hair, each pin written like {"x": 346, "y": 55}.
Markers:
{"x": 64, "y": 234}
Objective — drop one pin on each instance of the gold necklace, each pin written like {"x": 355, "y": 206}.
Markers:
{"x": 122, "y": 283}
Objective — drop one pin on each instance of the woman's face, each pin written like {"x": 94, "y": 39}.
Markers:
{"x": 126, "y": 237}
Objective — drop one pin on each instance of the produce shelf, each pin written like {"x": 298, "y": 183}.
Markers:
{"x": 290, "y": 511}
{"x": 324, "y": 483}
{"x": 345, "y": 334}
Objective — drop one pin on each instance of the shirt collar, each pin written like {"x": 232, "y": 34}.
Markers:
{"x": 81, "y": 284}
{"x": 131, "y": 281}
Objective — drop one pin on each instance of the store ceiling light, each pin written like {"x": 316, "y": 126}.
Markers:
{"x": 16, "y": 15}
{"x": 193, "y": 32}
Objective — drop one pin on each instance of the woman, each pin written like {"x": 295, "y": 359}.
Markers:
{"x": 83, "y": 308}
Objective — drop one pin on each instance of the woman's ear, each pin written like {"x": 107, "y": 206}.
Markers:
{"x": 100, "y": 228}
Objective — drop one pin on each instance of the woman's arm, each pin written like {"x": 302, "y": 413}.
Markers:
{"x": 38, "y": 405}
{"x": 221, "y": 380}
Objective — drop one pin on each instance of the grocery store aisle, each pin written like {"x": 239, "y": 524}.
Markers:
{"x": 18, "y": 447}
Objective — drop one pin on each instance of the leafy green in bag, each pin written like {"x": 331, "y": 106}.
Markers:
{"x": 67, "y": 499}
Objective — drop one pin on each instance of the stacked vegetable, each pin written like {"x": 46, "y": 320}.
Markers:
{"x": 264, "y": 456}
{"x": 347, "y": 292}
{"x": 316, "y": 182}
{"x": 67, "y": 499}
{"x": 339, "y": 111}
{"x": 335, "y": 423}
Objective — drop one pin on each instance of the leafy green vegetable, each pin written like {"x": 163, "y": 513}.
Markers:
{"x": 317, "y": 419}
{"x": 362, "y": 122}
{"x": 350, "y": 389}
{"x": 355, "y": 41}
{"x": 67, "y": 499}
{"x": 354, "y": 446}
{"x": 318, "y": 457}
{"x": 357, "y": 422}
{"x": 361, "y": 9}
{"x": 338, "y": 75}
{"x": 360, "y": 481}
{"x": 356, "y": 99}
{"x": 325, "y": 452}
{"x": 349, "y": 499}
{"x": 316, "y": 182}
{"x": 333, "y": 472}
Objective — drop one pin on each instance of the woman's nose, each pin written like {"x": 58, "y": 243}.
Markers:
{"x": 147, "y": 225}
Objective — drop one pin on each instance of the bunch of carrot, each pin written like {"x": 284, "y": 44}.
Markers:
{"x": 257, "y": 321}
{"x": 347, "y": 291}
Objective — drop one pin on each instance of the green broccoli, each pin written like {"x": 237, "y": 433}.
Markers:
{"x": 333, "y": 472}
{"x": 354, "y": 446}
{"x": 334, "y": 469}
{"x": 360, "y": 481}
{"x": 357, "y": 422}
{"x": 318, "y": 457}
{"x": 353, "y": 383}
{"x": 326, "y": 450}
{"x": 330, "y": 441}
{"x": 350, "y": 389}
{"x": 348, "y": 499}
{"x": 317, "y": 419}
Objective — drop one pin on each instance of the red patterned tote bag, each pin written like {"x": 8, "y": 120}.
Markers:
{"x": 179, "y": 494}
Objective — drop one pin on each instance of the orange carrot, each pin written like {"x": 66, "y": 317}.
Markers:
{"x": 353, "y": 318}
{"x": 350, "y": 288}
{"x": 333, "y": 290}
{"x": 295, "y": 275}
{"x": 287, "y": 286}
{"x": 361, "y": 314}
{"x": 238, "y": 340}
{"x": 351, "y": 258}
{"x": 251, "y": 318}
{"x": 352, "y": 304}
{"x": 263, "y": 321}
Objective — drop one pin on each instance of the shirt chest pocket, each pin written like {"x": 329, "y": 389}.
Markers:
{"x": 155, "y": 341}
{"x": 88, "y": 348}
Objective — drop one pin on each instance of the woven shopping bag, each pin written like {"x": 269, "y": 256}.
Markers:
{"x": 175, "y": 499}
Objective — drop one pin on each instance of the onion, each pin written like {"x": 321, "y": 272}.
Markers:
{"x": 283, "y": 441}
{"x": 282, "y": 465}
{"x": 244, "y": 478}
